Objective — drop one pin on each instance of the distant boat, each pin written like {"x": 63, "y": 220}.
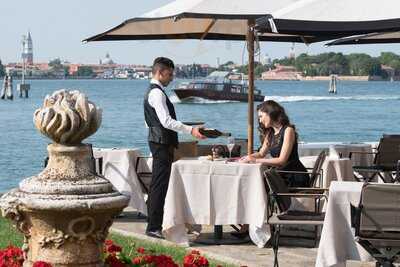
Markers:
{"x": 217, "y": 86}
{"x": 332, "y": 84}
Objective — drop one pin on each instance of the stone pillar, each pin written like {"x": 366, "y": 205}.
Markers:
{"x": 66, "y": 210}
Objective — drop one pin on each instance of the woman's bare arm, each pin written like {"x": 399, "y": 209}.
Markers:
{"x": 287, "y": 146}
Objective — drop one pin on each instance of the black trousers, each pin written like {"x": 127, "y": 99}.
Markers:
{"x": 163, "y": 156}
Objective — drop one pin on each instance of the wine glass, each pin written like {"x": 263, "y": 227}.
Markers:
{"x": 230, "y": 144}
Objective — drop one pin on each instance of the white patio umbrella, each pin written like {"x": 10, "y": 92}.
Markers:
{"x": 208, "y": 20}
{"x": 372, "y": 38}
{"x": 334, "y": 18}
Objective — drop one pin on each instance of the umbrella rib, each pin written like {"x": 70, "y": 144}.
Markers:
{"x": 207, "y": 30}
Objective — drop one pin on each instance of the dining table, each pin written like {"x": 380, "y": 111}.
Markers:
{"x": 215, "y": 192}
{"x": 337, "y": 243}
{"x": 118, "y": 166}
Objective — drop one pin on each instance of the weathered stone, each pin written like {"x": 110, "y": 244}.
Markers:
{"x": 66, "y": 210}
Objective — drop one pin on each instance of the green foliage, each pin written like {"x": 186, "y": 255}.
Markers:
{"x": 9, "y": 235}
{"x": 85, "y": 71}
{"x": 2, "y": 69}
{"x": 336, "y": 63}
{"x": 56, "y": 64}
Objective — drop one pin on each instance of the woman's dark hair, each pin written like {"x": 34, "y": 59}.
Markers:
{"x": 277, "y": 115}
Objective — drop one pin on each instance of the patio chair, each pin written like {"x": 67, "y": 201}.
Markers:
{"x": 385, "y": 160}
{"x": 280, "y": 195}
{"x": 316, "y": 172}
{"x": 144, "y": 177}
{"x": 376, "y": 222}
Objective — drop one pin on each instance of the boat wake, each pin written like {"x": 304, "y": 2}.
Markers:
{"x": 304, "y": 98}
{"x": 198, "y": 100}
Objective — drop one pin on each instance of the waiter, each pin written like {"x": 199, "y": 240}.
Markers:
{"x": 160, "y": 117}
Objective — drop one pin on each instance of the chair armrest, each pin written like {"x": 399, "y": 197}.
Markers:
{"x": 279, "y": 171}
{"x": 308, "y": 189}
{"x": 299, "y": 195}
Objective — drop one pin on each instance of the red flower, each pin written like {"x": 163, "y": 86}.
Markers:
{"x": 188, "y": 260}
{"x": 148, "y": 258}
{"x": 141, "y": 250}
{"x": 11, "y": 257}
{"x": 137, "y": 260}
{"x": 113, "y": 261}
{"x": 41, "y": 264}
{"x": 114, "y": 249}
{"x": 202, "y": 261}
{"x": 108, "y": 242}
{"x": 194, "y": 259}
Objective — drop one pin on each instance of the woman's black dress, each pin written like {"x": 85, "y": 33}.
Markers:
{"x": 293, "y": 163}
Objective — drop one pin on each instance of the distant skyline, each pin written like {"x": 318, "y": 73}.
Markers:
{"x": 58, "y": 28}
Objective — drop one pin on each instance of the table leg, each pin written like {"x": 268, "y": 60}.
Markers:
{"x": 217, "y": 233}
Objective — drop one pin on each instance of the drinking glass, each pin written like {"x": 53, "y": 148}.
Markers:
{"x": 230, "y": 144}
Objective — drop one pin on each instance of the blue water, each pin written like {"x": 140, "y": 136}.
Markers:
{"x": 361, "y": 111}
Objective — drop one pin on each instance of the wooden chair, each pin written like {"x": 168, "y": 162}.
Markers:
{"x": 385, "y": 160}
{"x": 280, "y": 195}
{"x": 376, "y": 222}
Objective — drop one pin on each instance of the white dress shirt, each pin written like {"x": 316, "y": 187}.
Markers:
{"x": 158, "y": 101}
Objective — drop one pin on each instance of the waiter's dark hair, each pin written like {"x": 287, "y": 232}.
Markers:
{"x": 162, "y": 63}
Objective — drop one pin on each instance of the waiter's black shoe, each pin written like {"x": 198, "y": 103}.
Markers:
{"x": 155, "y": 234}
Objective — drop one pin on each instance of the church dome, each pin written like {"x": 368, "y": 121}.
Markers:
{"x": 107, "y": 60}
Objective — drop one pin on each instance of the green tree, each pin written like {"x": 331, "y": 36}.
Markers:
{"x": 284, "y": 61}
{"x": 85, "y": 71}
{"x": 56, "y": 64}
{"x": 2, "y": 70}
{"x": 259, "y": 69}
{"x": 387, "y": 58}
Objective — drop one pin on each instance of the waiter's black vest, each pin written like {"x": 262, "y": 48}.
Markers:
{"x": 157, "y": 133}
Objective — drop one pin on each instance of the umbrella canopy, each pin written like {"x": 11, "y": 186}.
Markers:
{"x": 209, "y": 20}
{"x": 333, "y": 18}
{"x": 372, "y": 38}
{"x": 202, "y": 19}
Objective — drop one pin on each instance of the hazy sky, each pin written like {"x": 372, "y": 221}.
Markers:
{"x": 58, "y": 27}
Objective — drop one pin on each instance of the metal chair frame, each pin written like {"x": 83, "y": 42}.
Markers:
{"x": 384, "y": 250}
{"x": 277, "y": 208}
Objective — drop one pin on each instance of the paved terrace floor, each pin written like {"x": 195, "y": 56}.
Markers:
{"x": 293, "y": 250}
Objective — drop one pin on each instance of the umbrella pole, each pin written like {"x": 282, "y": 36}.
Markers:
{"x": 250, "y": 111}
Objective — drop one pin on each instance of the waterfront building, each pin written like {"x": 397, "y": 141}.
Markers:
{"x": 282, "y": 73}
{"x": 107, "y": 60}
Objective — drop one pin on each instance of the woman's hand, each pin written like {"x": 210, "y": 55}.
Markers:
{"x": 248, "y": 159}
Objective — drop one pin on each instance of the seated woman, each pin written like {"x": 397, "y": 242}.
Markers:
{"x": 279, "y": 139}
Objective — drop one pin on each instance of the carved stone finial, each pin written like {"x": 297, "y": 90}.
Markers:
{"x": 67, "y": 117}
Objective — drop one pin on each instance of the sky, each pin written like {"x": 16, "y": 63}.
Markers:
{"x": 58, "y": 28}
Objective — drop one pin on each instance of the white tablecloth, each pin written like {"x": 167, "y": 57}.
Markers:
{"x": 337, "y": 239}
{"x": 333, "y": 169}
{"x": 119, "y": 169}
{"x": 215, "y": 193}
